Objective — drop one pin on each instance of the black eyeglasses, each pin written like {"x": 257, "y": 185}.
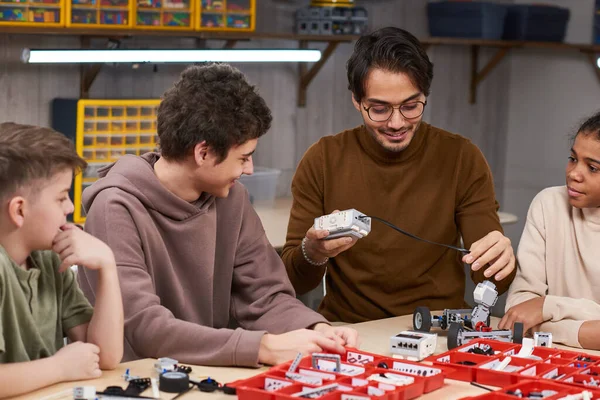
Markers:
{"x": 383, "y": 112}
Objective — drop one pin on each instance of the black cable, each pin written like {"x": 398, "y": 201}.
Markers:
{"x": 464, "y": 251}
{"x": 482, "y": 387}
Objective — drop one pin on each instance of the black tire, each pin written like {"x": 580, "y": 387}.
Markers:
{"x": 488, "y": 321}
{"x": 518, "y": 333}
{"x": 443, "y": 322}
{"x": 453, "y": 333}
{"x": 422, "y": 319}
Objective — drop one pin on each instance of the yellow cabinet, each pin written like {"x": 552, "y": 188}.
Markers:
{"x": 226, "y": 15}
{"x": 107, "y": 130}
{"x": 32, "y": 13}
{"x": 99, "y": 13}
{"x": 165, "y": 14}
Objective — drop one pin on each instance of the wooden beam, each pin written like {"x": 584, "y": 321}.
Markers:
{"x": 201, "y": 43}
{"x": 230, "y": 44}
{"x": 494, "y": 61}
{"x": 307, "y": 77}
{"x": 478, "y": 76}
{"x": 474, "y": 69}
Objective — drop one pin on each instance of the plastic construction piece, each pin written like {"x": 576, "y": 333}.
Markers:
{"x": 336, "y": 358}
{"x": 585, "y": 395}
{"x": 478, "y": 318}
{"x": 183, "y": 368}
{"x": 413, "y": 345}
{"x": 464, "y": 325}
{"x": 129, "y": 377}
{"x": 174, "y": 382}
{"x": 165, "y": 364}
{"x": 533, "y": 394}
{"x": 458, "y": 335}
{"x": 542, "y": 339}
{"x": 295, "y": 363}
{"x": 210, "y": 385}
{"x": 344, "y": 223}
{"x": 316, "y": 392}
{"x": 485, "y": 350}
{"x": 84, "y": 392}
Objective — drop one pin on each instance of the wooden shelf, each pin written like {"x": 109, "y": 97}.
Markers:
{"x": 504, "y": 46}
{"x": 306, "y": 74}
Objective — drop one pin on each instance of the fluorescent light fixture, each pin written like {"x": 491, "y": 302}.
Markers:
{"x": 168, "y": 56}
{"x": 598, "y": 62}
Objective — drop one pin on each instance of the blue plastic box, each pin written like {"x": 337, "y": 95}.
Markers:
{"x": 475, "y": 20}
{"x": 536, "y": 23}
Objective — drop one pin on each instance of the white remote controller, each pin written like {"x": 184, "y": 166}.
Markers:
{"x": 344, "y": 223}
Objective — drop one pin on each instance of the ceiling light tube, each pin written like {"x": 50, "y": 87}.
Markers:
{"x": 43, "y": 56}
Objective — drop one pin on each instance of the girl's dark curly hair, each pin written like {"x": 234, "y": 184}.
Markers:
{"x": 212, "y": 103}
{"x": 590, "y": 126}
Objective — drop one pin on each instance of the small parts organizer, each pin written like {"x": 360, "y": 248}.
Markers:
{"x": 502, "y": 364}
{"x": 98, "y": 13}
{"x": 31, "y": 12}
{"x": 107, "y": 130}
{"x": 539, "y": 390}
{"x": 355, "y": 376}
{"x": 227, "y": 15}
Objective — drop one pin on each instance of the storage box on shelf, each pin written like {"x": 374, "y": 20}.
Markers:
{"x": 331, "y": 20}
{"x": 226, "y": 15}
{"x": 107, "y": 130}
{"x": 99, "y": 13}
{"x": 475, "y": 20}
{"x": 164, "y": 14}
{"x": 31, "y": 13}
{"x": 536, "y": 23}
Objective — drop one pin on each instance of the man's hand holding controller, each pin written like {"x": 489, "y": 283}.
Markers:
{"x": 332, "y": 234}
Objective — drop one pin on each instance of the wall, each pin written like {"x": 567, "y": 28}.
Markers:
{"x": 26, "y": 90}
{"x": 550, "y": 93}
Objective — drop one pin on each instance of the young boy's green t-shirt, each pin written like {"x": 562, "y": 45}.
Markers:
{"x": 37, "y": 307}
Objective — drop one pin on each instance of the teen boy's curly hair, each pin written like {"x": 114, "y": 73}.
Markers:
{"x": 212, "y": 103}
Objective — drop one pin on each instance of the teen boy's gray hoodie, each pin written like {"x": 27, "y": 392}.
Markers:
{"x": 187, "y": 270}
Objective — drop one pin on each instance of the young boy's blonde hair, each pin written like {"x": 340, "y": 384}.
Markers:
{"x": 31, "y": 153}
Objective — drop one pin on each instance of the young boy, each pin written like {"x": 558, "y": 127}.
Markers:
{"x": 201, "y": 283}
{"x": 556, "y": 286}
{"x": 40, "y": 301}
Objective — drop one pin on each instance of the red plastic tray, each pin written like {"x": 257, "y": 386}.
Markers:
{"x": 552, "y": 365}
{"x": 426, "y": 378}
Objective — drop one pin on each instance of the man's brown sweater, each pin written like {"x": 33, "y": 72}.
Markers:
{"x": 439, "y": 188}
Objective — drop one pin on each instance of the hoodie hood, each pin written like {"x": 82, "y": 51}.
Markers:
{"x": 135, "y": 176}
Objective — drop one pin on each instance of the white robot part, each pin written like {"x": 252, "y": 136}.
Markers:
{"x": 485, "y": 296}
{"x": 351, "y": 223}
{"x": 414, "y": 346}
{"x": 84, "y": 393}
{"x": 542, "y": 339}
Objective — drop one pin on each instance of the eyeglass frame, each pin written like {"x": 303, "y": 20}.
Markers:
{"x": 393, "y": 109}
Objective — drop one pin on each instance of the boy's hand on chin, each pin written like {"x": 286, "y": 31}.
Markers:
{"x": 76, "y": 247}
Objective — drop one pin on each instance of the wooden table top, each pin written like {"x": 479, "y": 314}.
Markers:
{"x": 374, "y": 338}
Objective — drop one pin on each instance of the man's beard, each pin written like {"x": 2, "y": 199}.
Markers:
{"x": 379, "y": 137}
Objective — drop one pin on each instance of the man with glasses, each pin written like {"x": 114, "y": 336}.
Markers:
{"x": 429, "y": 182}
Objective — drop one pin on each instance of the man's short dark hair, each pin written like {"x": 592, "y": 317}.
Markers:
{"x": 212, "y": 103}
{"x": 30, "y": 153}
{"x": 391, "y": 49}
